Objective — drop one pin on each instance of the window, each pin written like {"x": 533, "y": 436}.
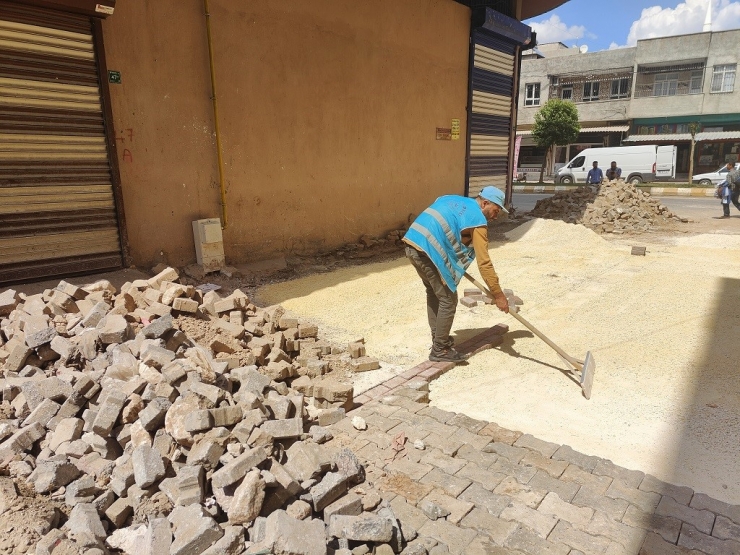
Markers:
{"x": 567, "y": 93}
{"x": 665, "y": 84}
{"x": 697, "y": 81}
{"x": 620, "y": 88}
{"x": 590, "y": 91}
{"x": 682, "y": 128}
{"x": 577, "y": 162}
{"x": 532, "y": 97}
{"x": 723, "y": 78}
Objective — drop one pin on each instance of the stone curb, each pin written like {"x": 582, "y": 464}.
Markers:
{"x": 662, "y": 191}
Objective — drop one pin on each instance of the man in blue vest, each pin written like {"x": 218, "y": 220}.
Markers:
{"x": 441, "y": 243}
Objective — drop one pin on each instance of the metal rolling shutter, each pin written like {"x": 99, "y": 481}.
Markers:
{"x": 492, "y": 92}
{"x": 57, "y": 210}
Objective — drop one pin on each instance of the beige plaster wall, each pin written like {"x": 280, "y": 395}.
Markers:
{"x": 328, "y": 110}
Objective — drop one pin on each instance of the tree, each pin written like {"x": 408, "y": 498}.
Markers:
{"x": 556, "y": 123}
{"x": 693, "y": 129}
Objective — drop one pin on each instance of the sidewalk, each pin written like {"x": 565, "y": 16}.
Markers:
{"x": 657, "y": 191}
{"x": 470, "y": 487}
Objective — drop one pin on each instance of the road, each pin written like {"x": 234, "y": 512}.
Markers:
{"x": 703, "y": 210}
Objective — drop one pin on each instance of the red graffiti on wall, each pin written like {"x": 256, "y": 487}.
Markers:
{"x": 127, "y": 156}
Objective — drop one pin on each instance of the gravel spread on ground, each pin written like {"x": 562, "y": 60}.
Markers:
{"x": 666, "y": 397}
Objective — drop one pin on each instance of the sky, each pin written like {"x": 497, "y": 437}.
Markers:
{"x": 605, "y": 24}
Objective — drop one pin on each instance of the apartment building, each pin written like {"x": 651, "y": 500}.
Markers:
{"x": 649, "y": 93}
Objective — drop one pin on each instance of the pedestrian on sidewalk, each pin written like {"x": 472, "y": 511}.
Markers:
{"x": 441, "y": 243}
{"x": 733, "y": 180}
{"x": 595, "y": 176}
{"x": 724, "y": 193}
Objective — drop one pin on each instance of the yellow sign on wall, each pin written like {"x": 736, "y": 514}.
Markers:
{"x": 455, "y": 129}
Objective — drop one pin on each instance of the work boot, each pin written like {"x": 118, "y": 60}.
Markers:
{"x": 447, "y": 355}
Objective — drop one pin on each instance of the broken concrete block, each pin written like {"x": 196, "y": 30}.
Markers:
{"x": 119, "y": 511}
{"x": 152, "y": 417}
{"x": 248, "y": 498}
{"x": 8, "y": 301}
{"x": 114, "y": 329}
{"x": 108, "y": 413}
{"x": 194, "y": 530}
{"x": 307, "y": 330}
{"x": 283, "y": 534}
{"x": 17, "y": 358}
{"x": 332, "y": 486}
{"x": 52, "y": 474}
{"x": 238, "y": 468}
{"x": 98, "y": 312}
{"x": 198, "y": 421}
{"x": 188, "y": 306}
{"x": 283, "y": 429}
{"x": 365, "y": 528}
{"x": 158, "y": 327}
{"x": 350, "y": 504}
{"x": 84, "y": 525}
{"x": 67, "y": 430}
{"x": 168, "y": 274}
{"x": 364, "y": 364}
{"x": 42, "y": 413}
{"x": 148, "y": 466}
{"x": 41, "y": 337}
{"x": 226, "y": 416}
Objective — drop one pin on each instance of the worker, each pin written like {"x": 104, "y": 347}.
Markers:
{"x": 441, "y": 243}
{"x": 613, "y": 172}
{"x": 595, "y": 175}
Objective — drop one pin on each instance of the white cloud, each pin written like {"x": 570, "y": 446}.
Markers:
{"x": 555, "y": 30}
{"x": 687, "y": 17}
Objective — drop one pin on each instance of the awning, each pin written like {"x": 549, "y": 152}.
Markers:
{"x": 613, "y": 128}
{"x": 706, "y": 136}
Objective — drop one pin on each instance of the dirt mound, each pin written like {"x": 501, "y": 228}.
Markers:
{"x": 614, "y": 207}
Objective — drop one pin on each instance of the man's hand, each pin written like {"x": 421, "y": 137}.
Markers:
{"x": 501, "y": 302}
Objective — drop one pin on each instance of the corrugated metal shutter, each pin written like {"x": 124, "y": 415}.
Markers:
{"x": 57, "y": 210}
{"x": 492, "y": 91}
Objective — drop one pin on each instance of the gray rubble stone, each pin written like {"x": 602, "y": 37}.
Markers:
{"x": 248, "y": 498}
{"x": 331, "y": 487}
{"x": 283, "y": 429}
{"x": 52, "y": 474}
{"x": 284, "y": 535}
{"x": 194, "y": 530}
{"x": 84, "y": 524}
{"x": 238, "y": 468}
{"x": 148, "y": 466}
{"x": 365, "y": 527}
{"x": 157, "y": 328}
{"x": 152, "y": 417}
{"x": 41, "y": 337}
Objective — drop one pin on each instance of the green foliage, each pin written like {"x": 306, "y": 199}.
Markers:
{"x": 556, "y": 123}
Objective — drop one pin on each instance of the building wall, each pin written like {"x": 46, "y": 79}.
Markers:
{"x": 539, "y": 71}
{"x": 327, "y": 108}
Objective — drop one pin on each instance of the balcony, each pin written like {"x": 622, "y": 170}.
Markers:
{"x": 591, "y": 87}
{"x": 674, "y": 80}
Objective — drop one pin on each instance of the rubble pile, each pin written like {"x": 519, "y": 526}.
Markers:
{"x": 119, "y": 433}
{"x": 615, "y": 207}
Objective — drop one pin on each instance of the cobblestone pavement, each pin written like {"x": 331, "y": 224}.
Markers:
{"x": 470, "y": 487}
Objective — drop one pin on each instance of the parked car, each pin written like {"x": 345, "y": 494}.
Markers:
{"x": 713, "y": 178}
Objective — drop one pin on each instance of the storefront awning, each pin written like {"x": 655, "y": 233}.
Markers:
{"x": 612, "y": 129}
{"x": 706, "y": 136}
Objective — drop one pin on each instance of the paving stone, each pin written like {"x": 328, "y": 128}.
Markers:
{"x": 631, "y": 478}
{"x": 408, "y": 513}
{"x": 472, "y": 440}
{"x": 485, "y": 478}
{"x": 543, "y": 481}
{"x": 470, "y": 424}
{"x": 148, "y": 466}
{"x": 238, "y": 468}
{"x": 513, "y": 454}
{"x": 681, "y": 494}
{"x": 703, "y": 501}
{"x": 553, "y": 468}
{"x": 481, "y": 497}
{"x": 452, "y": 485}
{"x": 449, "y": 464}
{"x": 499, "y": 434}
{"x": 597, "y": 484}
{"x": 458, "y": 508}
{"x": 629, "y": 537}
{"x": 667, "y": 527}
{"x": 552, "y": 504}
{"x": 349, "y": 505}
{"x": 439, "y": 415}
{"x": 403, "y": 485}
{"x": 588, "y": 497}
{"x": 656, "y": 545}
{"x": 524, "y": 494}
{"x": 577, "y": 539}
{"x": 544, "y": 448}
{"x": 365, "y": 528}
{"x": 702, "y": 520}
{"x": 541, "y": 523}
{"x": 529, "y": 542}
{"x": 449, "y": 446}
{"x": 566, "y": 453}
{"x": 283, "y": 429}
{"x": 471, "y": 454}
{"x": 692, "y": 538}
{"x": 381, "y": 422}
{"x": 332, "y": 486}
{"x": 523, "y": 474}
{"x": 725, "y": 529}
{"x": 411, "y": 431}
{"x": 485, "y": 523}
{"x": 455, "y": 538}
{"x": 483, "y": 545}
{"x": 404, "y": 466}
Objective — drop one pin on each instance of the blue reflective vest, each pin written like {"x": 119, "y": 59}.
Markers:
{"x": 438, "y": 233}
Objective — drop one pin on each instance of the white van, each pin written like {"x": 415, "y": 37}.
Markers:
{"x": 643, "y": 163}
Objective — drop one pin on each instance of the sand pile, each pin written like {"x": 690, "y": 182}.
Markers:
{"x": 616, "y": 207}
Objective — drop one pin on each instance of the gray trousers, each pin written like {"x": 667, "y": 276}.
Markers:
{"x": 441, "y": 302}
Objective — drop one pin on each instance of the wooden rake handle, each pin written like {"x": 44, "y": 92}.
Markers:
{"x": 514, "y": 311}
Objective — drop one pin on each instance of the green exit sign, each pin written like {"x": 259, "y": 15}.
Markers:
{"x": 114, "y": 77}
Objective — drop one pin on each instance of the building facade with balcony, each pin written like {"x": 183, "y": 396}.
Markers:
{"x": 649, "y": 93}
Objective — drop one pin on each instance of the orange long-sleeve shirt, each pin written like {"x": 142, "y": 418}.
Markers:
{"x": 479, "y": 237}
